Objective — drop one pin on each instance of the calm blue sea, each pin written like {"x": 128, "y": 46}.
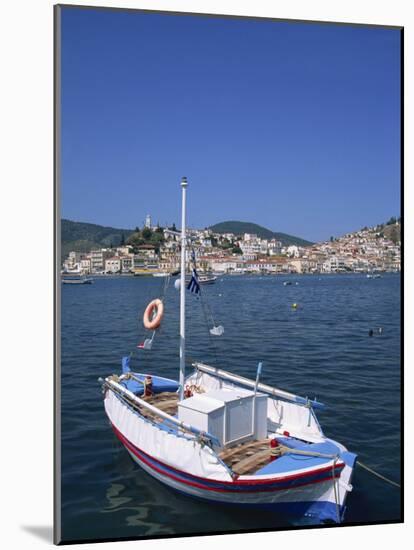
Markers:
{"x": 321, "y": 349}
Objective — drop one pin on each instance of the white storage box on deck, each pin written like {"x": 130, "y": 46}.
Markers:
{"x": 226, "y": 414}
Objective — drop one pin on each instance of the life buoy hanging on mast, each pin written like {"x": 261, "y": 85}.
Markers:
{"x": 153, "y": 314}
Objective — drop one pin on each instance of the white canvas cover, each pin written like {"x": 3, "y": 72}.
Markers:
{"x": 181, "y": 452}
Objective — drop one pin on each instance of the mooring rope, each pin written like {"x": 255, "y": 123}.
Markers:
{"x": 380, "y": 476}
{"x": 284, "y": 449}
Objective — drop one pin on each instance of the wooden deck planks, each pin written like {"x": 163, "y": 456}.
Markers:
{"x": 247, "y": 457}
{"x": 251, "y": 464}
{"x": 229, "y": 454}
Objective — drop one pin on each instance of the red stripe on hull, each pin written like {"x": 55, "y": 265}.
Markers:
{"x": 141, "y": 455}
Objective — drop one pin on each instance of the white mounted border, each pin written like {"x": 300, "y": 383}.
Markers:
{"x": 27, "y": 107}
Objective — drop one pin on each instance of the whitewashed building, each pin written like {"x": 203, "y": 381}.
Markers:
{"x": 85, "y": 265}
{"x": 113, "y": 264}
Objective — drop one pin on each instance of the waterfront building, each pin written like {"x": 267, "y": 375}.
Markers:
{"x": 127, "y": 263}
{"x": 85, "y": 265}
{"x": 298, "y": 265}
{"x": 226, "y": 265}
{"x": 113, "y": 264}
{"x": 98, "y": 257}
{"x": 249, "y": 256}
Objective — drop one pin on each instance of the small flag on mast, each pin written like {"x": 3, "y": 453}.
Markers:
{"x": 194, "y": 285}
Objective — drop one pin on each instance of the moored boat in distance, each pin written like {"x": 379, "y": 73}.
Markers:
{"x": 75, "y": 278}
{"x": 207, "y": 279}
{"x": 225, "y": 438}
{"x": 148, "y": 270}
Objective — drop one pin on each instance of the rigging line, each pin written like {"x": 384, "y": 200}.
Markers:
{"x": 380, "y": 476}
{"x": 204, "y": 305}
{"x": 212, "y": 344}
{"x": 165, "y": 286}
{"x": 209, "y": 311}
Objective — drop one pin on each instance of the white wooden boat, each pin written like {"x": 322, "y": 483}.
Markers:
{"x": 75, "y": 278}
{"x": 226, "y": 439}
{"x": 207, "y": 279}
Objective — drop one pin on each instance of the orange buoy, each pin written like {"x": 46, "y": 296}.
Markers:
{"x": 153, "y": 314}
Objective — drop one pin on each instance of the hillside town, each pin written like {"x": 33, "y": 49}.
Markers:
{"x": 157, "y": 250}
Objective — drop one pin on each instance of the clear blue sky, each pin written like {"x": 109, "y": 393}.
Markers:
{"x": 292, "y": 126}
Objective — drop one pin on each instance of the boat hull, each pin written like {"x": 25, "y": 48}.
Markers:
{"x": 313, "y": 490}
{"x": 311, "y": 497}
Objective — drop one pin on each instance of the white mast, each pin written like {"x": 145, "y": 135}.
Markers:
{"x": 182, "y": 292}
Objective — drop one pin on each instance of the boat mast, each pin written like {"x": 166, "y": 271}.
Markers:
{"x": 182, "y": 292}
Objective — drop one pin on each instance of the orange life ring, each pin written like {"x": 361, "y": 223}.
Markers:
{"x": 151, "y": 320}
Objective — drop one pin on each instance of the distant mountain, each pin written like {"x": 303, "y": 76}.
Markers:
{"x": 239, "y": 228}
{"x": 82, "y": 237}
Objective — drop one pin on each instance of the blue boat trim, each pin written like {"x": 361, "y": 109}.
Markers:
{"x": 320, "y": 511}
{"x": 159, "y": 384}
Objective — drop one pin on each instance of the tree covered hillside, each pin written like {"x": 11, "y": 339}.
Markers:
{"x": 239, "y": 228}
{"x": 82, "y": 237}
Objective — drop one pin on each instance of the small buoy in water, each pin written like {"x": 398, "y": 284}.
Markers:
{"x": 370, "y": 332}
{"x": 177, "y": 284}
{"x": 219, "y": 294}
{"x": 295, "y": 305}
{"x": 380, "y": 330}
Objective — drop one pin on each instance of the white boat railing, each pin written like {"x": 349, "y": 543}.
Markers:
{"x": 183, "y": 425}
{"x": 225, "y": 375}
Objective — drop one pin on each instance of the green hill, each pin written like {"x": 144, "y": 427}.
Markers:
{"x": 391, "y": 230}
{"x": 239, "y": 228}
{"x": 82, "y": 237}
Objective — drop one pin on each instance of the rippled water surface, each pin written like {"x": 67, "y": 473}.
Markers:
{"x": 320, "y": 349}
